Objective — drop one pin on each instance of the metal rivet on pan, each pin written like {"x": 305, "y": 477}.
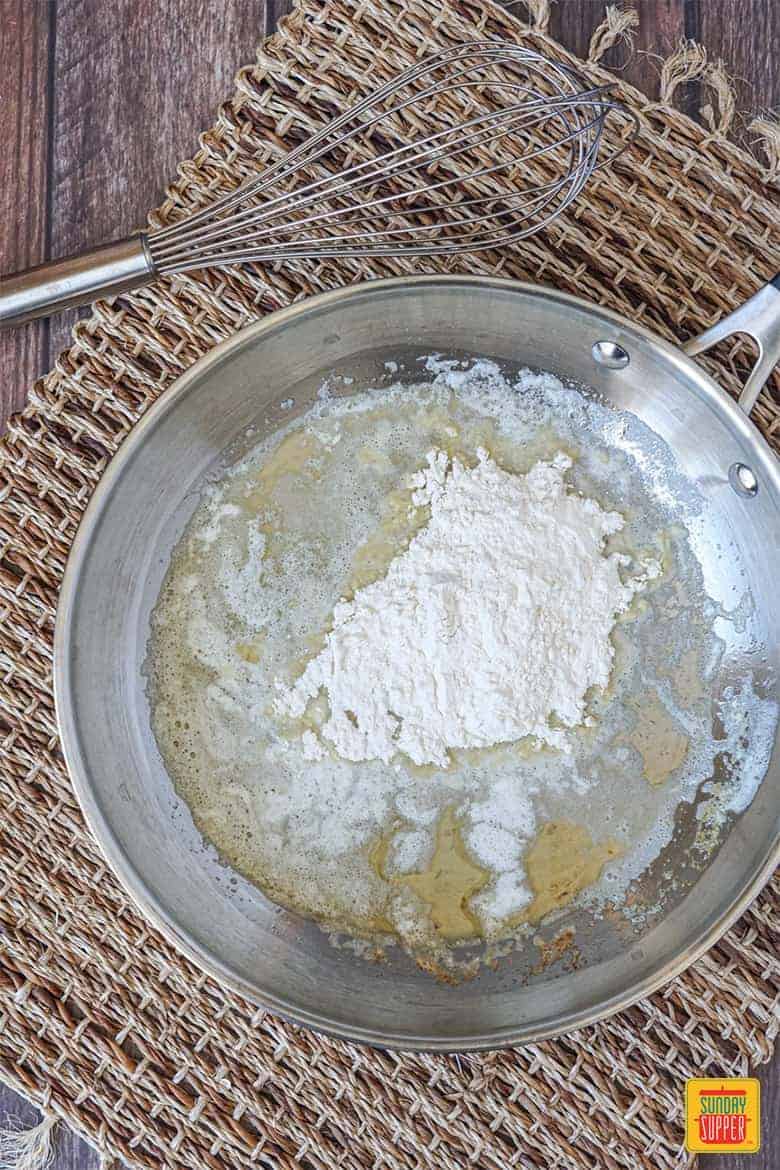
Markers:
{"x": 743, "y": 479}
{"x": 610, "y": 354}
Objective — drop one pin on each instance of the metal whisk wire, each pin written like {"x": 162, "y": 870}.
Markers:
{"x": 220, "y": 234}
{"x": 482, "y": 144}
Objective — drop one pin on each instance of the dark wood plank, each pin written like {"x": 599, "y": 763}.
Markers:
{"x": 745, "y": 34}
{"x": 662, "y": 23}
{"x": 136, "y": 82}
{"x": 16, "y": 1111}
{"x": 70, "y": 1152}
{"x": 26, "y": 32}
{"x": 274, "y": 11}
{"x": 661, "y": 26}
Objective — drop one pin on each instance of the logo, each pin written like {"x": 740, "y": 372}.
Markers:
{"x": 723, "y": 1116}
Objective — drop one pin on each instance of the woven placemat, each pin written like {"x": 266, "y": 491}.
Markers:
{"x": 102, "y": 1023}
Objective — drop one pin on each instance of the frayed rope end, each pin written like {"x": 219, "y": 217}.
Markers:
{"x": 538, "y": 11}
{"x": 27, "y": 1149}
{"x": 766, "y": 130}
{"x": 719, "y": 117}
{"x": 686, "y": 63}
{"x": 689, "y": 62}
{"x": 618, "y": 25}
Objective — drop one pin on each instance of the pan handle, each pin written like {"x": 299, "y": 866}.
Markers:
{"x": 760, "y": 319}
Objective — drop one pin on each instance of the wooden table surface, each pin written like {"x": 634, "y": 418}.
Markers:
{"x": 101, "y": 98}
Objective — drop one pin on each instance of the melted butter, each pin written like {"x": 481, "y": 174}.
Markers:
{"x": 658, "y": 738}
{"x": 399, "y": 523}
{"x": 289, "y": 458}
{"x": 378, "y": 853}
{"x": 442, "y": 427}
{"x": 370, "y": 927}
{"x": 421, "y": 771}
{"x": 251, "y": 652}
{"x": 660, "y": 549}
{"x": 446, "y": 886}
{"x": 449, "y": 883}
{"x": 687, "y": 679}
{"x": 497, "y": 754}
{"x": 561, "y": 861}
{"x": 294, "y": 455}
{"x": 378, "y": 461}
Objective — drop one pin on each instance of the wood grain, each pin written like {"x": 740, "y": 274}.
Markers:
{"x": 101, "y": 98}
{"x": 274, "y": 11}
{"x": 745, "y": 34}
{"x": 26, "y": 42}
{"x": 136, "y": 81}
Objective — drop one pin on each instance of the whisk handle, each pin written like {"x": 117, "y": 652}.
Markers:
{"x": 76, "y": 280}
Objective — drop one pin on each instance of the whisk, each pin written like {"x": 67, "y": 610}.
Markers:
{"x": 471, "y": 148}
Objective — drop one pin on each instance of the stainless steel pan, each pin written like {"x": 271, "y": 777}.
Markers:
{"x": 121, "y": 553}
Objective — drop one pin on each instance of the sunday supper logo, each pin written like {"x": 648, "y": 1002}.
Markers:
{"x": 723, "y": 1116}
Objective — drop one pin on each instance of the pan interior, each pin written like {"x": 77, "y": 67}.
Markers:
{"x": 651, "y": 409}
{"x": 490, "y": 840}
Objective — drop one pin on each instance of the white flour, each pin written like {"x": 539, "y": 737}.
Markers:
{"x": 494, "y": 622}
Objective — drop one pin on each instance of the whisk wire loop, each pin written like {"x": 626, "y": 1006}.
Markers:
{"x": 518, "y": 137}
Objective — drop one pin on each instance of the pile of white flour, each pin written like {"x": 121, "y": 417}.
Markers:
{"x": 495, "y": 619}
